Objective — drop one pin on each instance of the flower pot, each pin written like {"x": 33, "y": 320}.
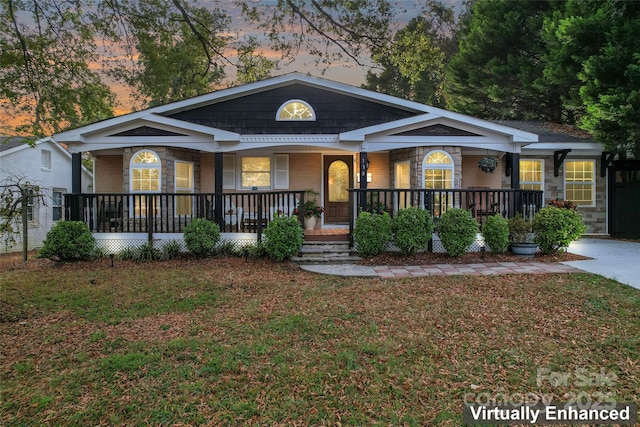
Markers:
{"x": 527, "y": 250}
{"x": 310, "y": 222}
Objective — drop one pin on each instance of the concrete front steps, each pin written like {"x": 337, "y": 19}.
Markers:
{"x": 319, "y": 252}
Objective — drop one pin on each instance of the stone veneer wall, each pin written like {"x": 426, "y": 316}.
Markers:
{"x": 168, "y": 156}
{"x": 595, "y": 218}
{"x": 416, "y": 157}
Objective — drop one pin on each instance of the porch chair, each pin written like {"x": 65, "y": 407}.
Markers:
{"x": 481, "y": 204}
{"x": 232, "y": 214}
{"x": 110, "y": 216}
{"x": 285, "y": 205}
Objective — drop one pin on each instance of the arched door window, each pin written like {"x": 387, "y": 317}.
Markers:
{"x": 145, "y": 172}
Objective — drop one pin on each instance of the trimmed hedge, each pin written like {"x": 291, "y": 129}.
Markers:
{"x": 201, "y": 237}
{"x": 457, "y": 229}
{"x": 412, "y": 230}
{"x": 555, "y": 228}
{"x": 69, "y": 241}
{"x": 372, "y": 233}
{"x": 496, "y": 233}
{"x": 284, "y": 237}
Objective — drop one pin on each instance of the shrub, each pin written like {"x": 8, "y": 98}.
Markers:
{"x": 69, "y": 241}
{"x": 201, "y": 237}
{"x": 412, "y": 229}
{"x": 372, "y": 233}
{"x": 555, "y": 228}
{"x": 284, "y": 237}
{"x": 457, "y": 230}
{"x": 251, "y": 251}
{"x": 520, "y": 230}
{"x": 496, "y": 233}
{"x": 170, "y": 250}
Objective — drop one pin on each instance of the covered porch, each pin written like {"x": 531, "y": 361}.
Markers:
{"x": 245, "y": 215}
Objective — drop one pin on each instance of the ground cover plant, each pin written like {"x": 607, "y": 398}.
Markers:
{"x": 224, "y": 341}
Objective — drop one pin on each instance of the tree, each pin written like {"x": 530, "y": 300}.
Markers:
{"x": 414, "y": 62}
{"x": 46, "y": 81}
{"x": 16, "y": 194}
{"x": 497, "y": 72}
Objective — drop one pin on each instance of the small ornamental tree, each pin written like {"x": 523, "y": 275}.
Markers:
{"x": 555, "y": 228}
{"x": 412, "y": 229}
{"x": 372, "y": 233}
{"x": 496, "y": 233}
{"x": 201, "y": 237}
{"x": 69, "y": 241}
{"x": 457, "y": 230}
{"x": 284, "y": 237}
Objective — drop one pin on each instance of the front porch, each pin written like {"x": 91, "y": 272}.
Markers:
{"x": 243, "y": 216}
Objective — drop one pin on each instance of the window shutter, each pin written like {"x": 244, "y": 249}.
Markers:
{"x": 229, "y": 172}
{"x": 281, "y": 172}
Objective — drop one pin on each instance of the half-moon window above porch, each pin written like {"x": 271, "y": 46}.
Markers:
{"x": 145, "y": 157}
{"x": 295, "y": 109}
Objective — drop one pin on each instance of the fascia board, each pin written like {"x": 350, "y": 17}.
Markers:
{"x": 574, "y": 146}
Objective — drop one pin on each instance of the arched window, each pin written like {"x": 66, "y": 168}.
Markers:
{"x": 437, "y": 170}
{"x": 437, "y": 174}
{"x": 145, "y": 172}
{"x": 294, "y": 110}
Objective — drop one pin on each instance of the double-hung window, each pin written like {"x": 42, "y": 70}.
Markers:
{"x": 579, "y": 182}
{"x": 184, "y": 184}
{"x": 532, "y": 174}
{"x": 57, "y": 204}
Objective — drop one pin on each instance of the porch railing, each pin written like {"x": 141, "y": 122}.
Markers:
{"x": 481, "y": 202}
{"x": 172, "y": 212}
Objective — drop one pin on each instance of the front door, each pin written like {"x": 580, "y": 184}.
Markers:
{"x": 338, "y": 178}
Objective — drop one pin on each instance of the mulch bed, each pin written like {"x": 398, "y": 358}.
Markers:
{"x": 428, "y": 258}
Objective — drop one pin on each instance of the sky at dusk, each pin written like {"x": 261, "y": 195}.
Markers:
{"x": 344, "y": 72}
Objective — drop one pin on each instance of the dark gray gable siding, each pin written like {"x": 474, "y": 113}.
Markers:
{"x": 437, "y": 130}
{"x": 147, "y": 131}
{"x": 256, "y": 113}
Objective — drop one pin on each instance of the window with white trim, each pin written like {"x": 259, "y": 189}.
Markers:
{"x": 437, "y": 170}
{"x": 57, "y": 204}
{"x": 294, "y": 110}
{"x": 579, "y": 181}
{"x": 45, "y": 159}
{"x": 183, "y": 185}
{"x": 531, "y": 174}
{"x": 437, "y": 173}
{"x": 33, "y": 203}
{"x": 145, "y": 173}
{"x": 255, "y": 172}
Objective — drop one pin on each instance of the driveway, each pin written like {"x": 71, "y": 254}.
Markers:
{"x": 614, "y": 259}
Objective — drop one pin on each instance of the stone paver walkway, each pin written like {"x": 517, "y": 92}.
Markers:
{"x": 441, "y": 269}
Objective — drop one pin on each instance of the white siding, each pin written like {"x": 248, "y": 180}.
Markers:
{"x": 26, "y": 162}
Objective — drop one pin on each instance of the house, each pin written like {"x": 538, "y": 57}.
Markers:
{"x": 46, "y": 168}
{"x": 241, "y": 154}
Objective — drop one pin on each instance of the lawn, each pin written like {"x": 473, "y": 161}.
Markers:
{"x": 229, "y": 341}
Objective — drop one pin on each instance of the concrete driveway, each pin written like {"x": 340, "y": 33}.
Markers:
{"x": 614, "y": 259}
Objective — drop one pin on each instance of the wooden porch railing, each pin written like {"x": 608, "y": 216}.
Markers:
{"x": 172, "y": 212}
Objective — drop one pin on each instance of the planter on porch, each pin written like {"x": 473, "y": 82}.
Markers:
{"x": 310, "y": 222}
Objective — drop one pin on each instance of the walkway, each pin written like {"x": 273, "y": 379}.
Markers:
{"x": 440, "y": 269}
{"x": 613, "y": 259}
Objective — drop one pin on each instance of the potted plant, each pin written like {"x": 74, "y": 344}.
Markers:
{"x": 312, "y": 211}
{"x": 488, "y": 164}
{"x": 522, "y": 237}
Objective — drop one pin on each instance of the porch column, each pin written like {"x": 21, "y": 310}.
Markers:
{"x": 515, "y": 183}
{"x": 218, "y": 215}
{"x": 364, "y": 167}
{"x": 75, "y": 208}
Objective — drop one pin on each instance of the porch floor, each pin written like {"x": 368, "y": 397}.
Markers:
{"x": 326, "y": 234}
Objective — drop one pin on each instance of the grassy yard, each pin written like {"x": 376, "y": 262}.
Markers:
{"x": 228, "y": 342}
